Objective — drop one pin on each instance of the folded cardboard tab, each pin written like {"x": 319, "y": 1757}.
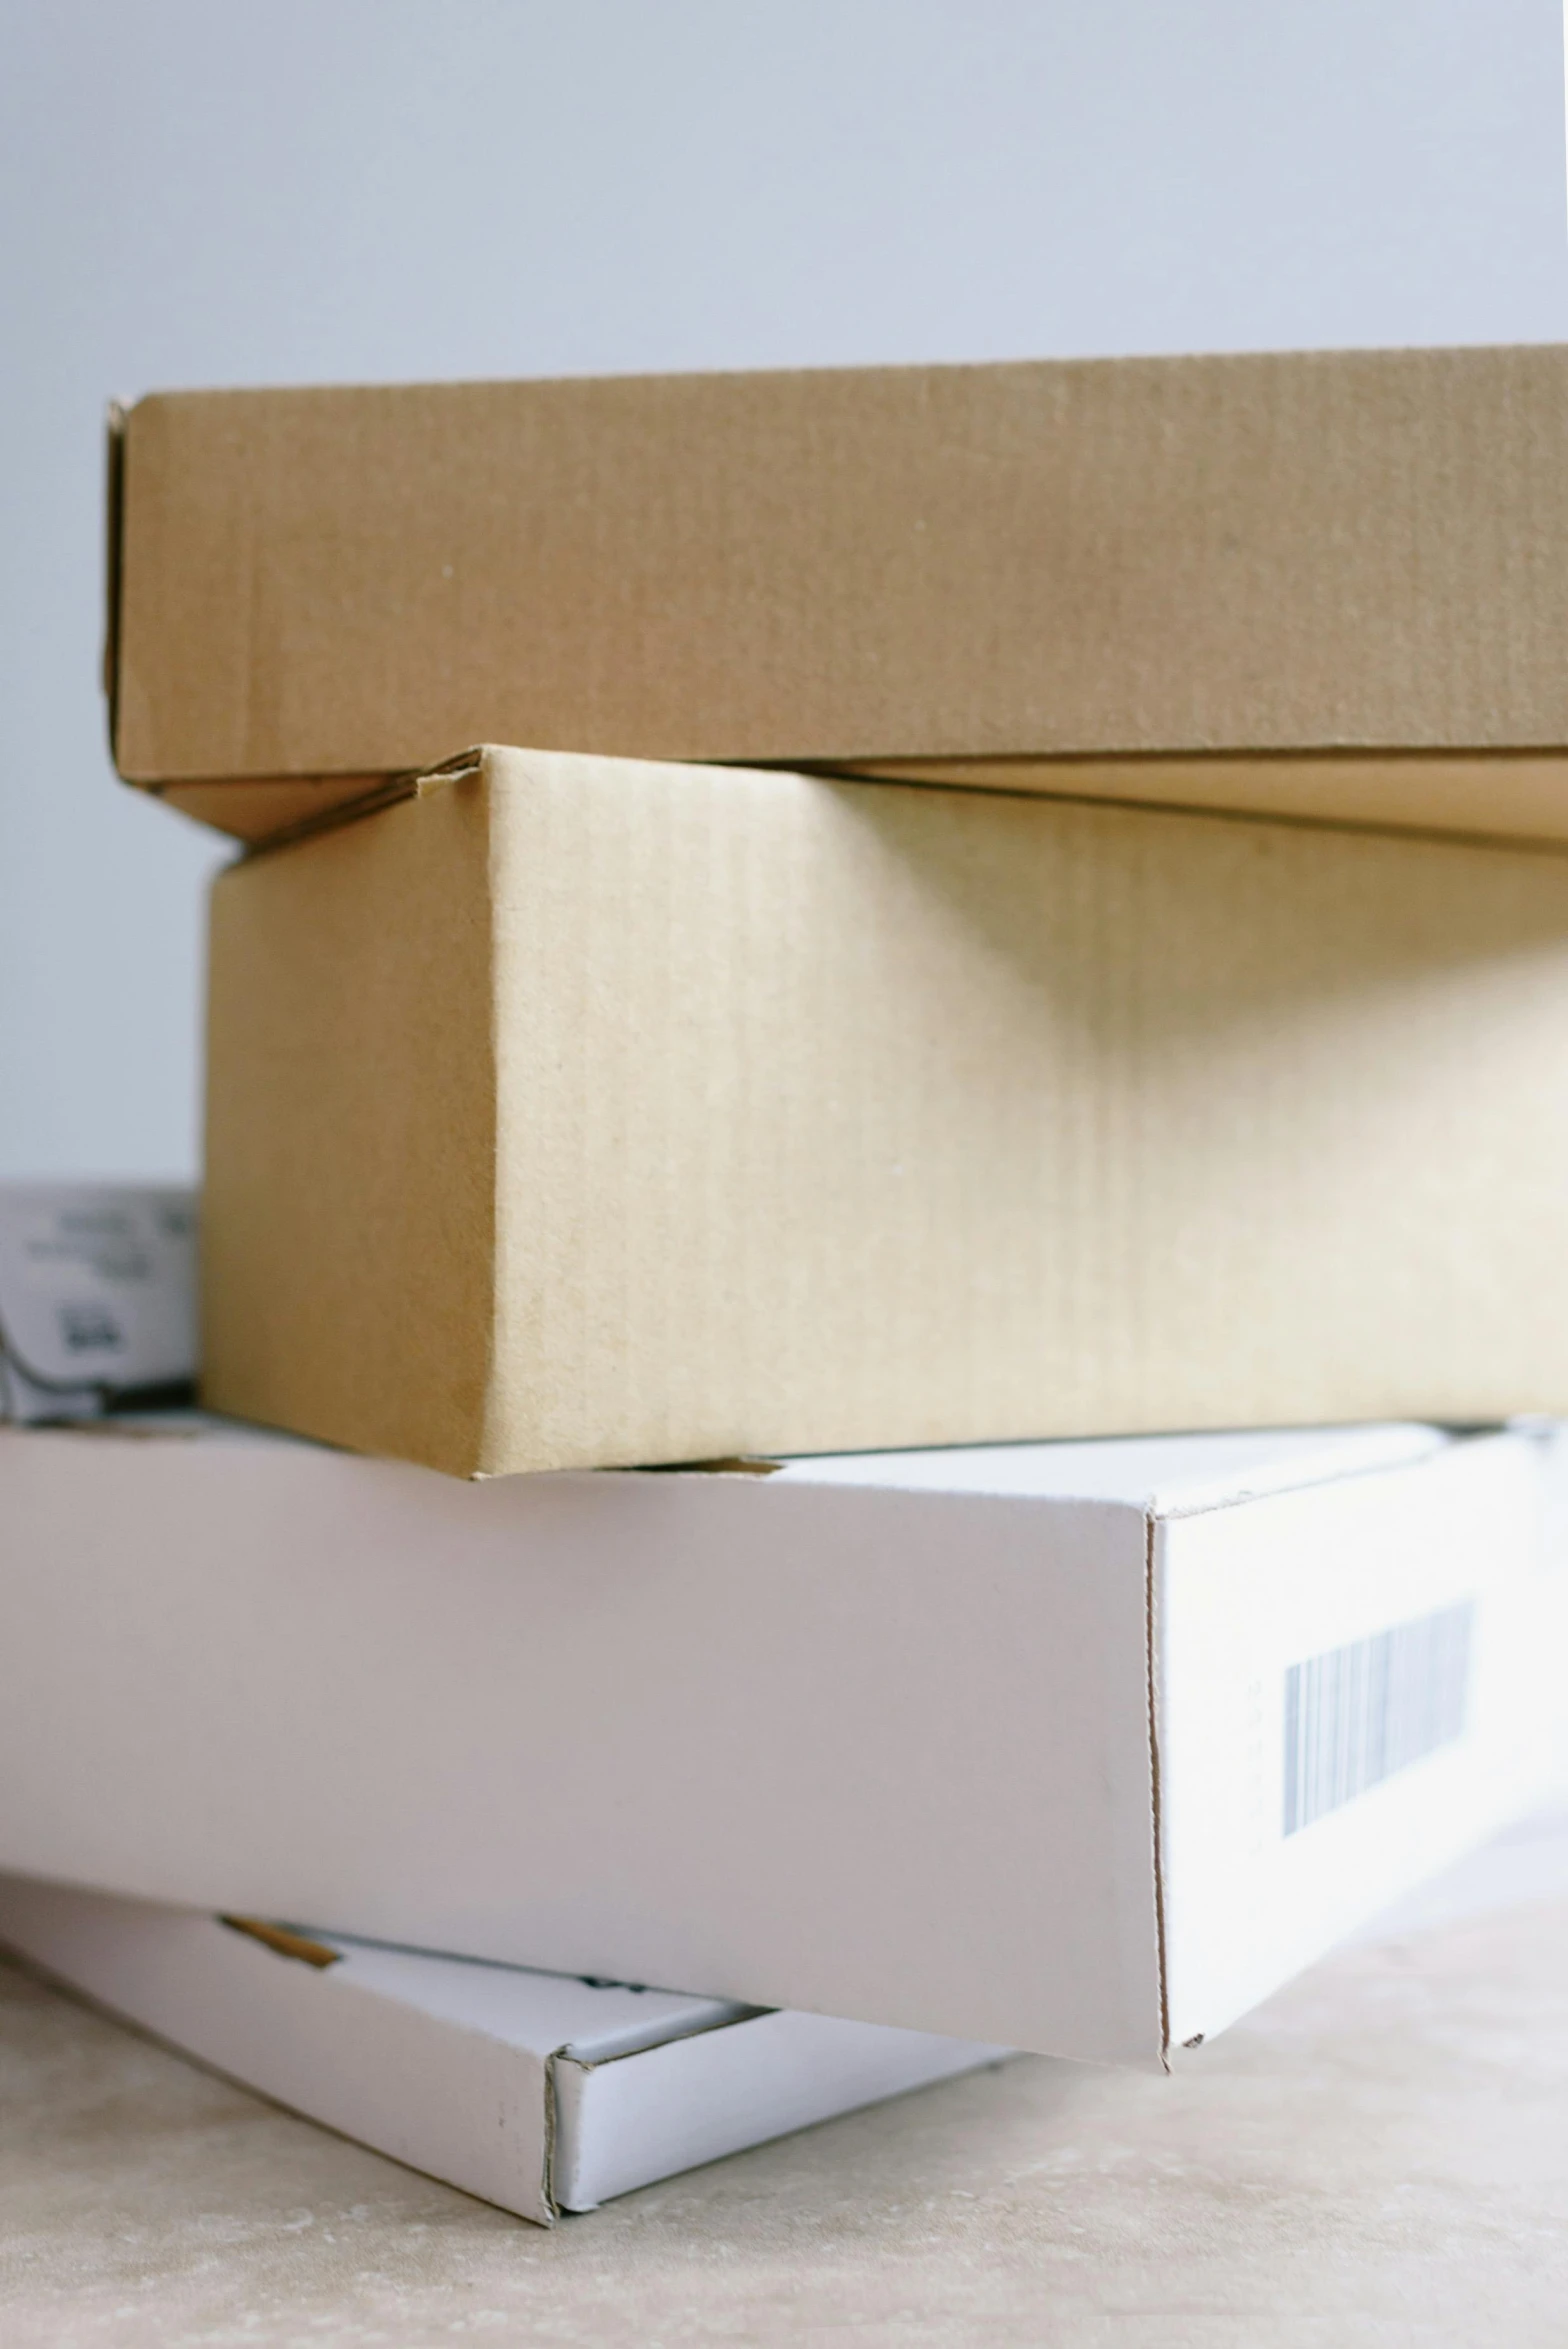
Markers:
{"x": 1082, "y": 1748}
{"x": 1326, "y": 584}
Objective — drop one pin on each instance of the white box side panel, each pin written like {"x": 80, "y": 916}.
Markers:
{"x": 1261, "y": 1876}
{"x": 625, "y": 2124}
{"x": 866, "y": 1753}
{"x": 458, "y": 2104}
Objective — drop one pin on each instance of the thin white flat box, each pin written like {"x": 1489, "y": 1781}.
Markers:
{"x": 1075, "y": 1747}
{"x": 535, "y": 2091}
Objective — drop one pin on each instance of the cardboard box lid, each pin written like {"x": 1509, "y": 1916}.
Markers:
{"x": 1295, "y": 554}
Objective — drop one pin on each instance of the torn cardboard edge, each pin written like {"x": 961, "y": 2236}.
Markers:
{"x": 1151, "y": 1525}
{"x": 114, "y": 519}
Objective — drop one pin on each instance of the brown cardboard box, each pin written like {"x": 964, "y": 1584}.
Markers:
{"x": 1331, "y": 585}
{"x": 582, "y": 1112}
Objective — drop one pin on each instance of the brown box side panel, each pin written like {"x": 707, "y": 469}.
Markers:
{"x": 1259, "y": 553}
{"x": 349, "y": 1201}
{"x": 841, "y": 1116}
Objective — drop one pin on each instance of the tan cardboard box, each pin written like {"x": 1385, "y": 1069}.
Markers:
{"x": 1331, "y": 584}
{"x": 580, "y": 1112}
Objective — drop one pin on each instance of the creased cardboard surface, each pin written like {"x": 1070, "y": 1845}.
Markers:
{"x": 1287, "y": 554}
{"x": 581, "y": 1113}
{"x": 353, "y": 1267}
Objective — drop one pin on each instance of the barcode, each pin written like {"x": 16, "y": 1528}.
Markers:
{"x": 1355, "y": 1715}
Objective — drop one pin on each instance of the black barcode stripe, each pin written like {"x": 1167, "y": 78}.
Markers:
{"x": 1354, "y": 1715}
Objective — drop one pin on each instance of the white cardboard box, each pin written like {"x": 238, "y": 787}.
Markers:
{"x": 97, "y": 1295}
{"x": 986, "y": 1743}
{"x": 535, "y": 2091}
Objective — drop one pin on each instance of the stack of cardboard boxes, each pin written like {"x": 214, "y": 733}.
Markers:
{"x": 570, "y": 1110}
{"x": 1030, "y": 905}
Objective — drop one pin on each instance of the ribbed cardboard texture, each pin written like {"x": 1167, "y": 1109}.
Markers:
{"x": 579, "y": 1112}
{"x": 1331, "y": 584}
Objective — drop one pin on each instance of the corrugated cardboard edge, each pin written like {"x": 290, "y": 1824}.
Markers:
{"x": 1304, "y": 790}
{"x": 114, "y": 519}
{"x": 547, "y": 2196}
{"x": 1152, "y": 1668}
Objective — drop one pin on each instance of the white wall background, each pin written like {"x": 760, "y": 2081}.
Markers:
{"x": 199, "y": 192}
